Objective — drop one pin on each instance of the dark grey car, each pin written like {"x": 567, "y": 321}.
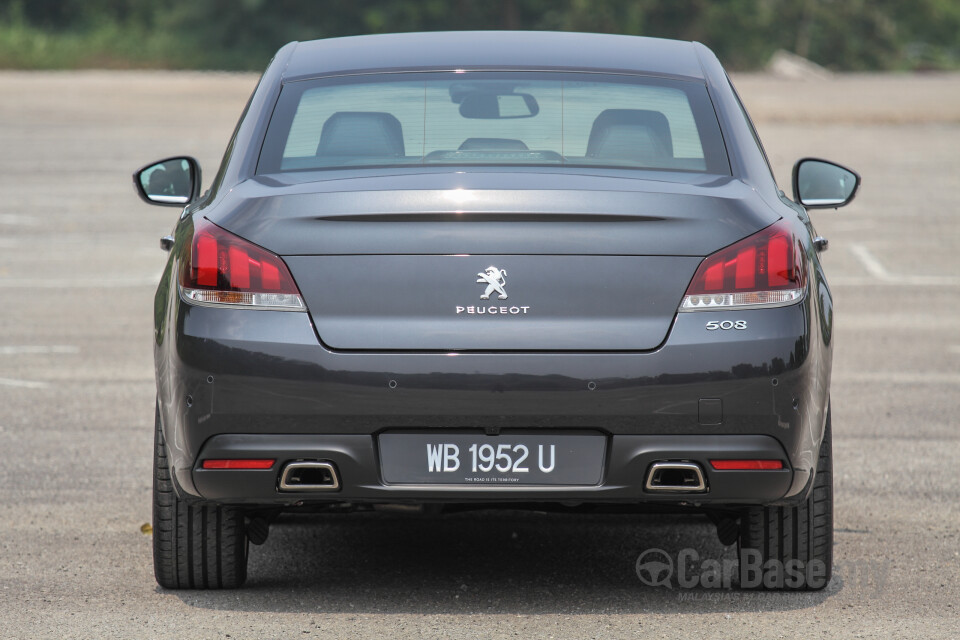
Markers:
{"x": 493, "y": 268}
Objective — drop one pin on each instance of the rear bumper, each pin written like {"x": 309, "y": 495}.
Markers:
{"x": 230, "y": 381}
{"x": 355, "y": 458}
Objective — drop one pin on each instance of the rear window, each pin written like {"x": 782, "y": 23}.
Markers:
{"x": 485, "y": 118}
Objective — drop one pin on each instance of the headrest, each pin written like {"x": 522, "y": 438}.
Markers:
{"x": 631, "y": 134}
{"x": 361, "y": 133}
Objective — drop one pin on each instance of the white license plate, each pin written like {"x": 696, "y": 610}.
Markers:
{"x": 477, "y": 459}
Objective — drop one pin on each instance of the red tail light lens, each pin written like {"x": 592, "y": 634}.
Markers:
{"x": 746, "y": 465}
{"x": 243, "y": 463}
{"x": 220, "y": 268}
{"x": 765, "y": 269}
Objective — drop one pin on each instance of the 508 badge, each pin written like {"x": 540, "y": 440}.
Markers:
{"x": 726, "y": 325}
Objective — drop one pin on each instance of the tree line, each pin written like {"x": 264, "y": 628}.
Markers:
{"x": 243, "y": 34}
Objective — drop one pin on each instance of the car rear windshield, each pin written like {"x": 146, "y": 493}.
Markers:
{"x": 487, "y": 118}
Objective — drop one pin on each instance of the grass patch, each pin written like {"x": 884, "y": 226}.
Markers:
{"x": 108, "y": 45}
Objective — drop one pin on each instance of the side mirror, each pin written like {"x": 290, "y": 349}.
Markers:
{"x": 821, "y": 184}
{"x": 174, "y": 182}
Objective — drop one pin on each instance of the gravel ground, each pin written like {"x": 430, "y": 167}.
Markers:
{"x": 78, "y": 263}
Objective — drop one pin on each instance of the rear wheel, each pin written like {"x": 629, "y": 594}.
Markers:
{"x": 194, "y": 546}
{"x": 791, "y": 548}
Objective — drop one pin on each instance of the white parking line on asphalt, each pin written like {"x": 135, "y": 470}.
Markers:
{"x": 14, "y": 219}
{"x": 852, "y": 225}
{"x": 898, "y": 377}
{"x": 920, "y": 320}
{"x": 870, "y": 263}
{"x": 22, "y": 384}
{"x": 856, "y": 281}
{"x": 15, "y": 350}
{"x": 876, "y": 269}
{"x": 92, "y": 282}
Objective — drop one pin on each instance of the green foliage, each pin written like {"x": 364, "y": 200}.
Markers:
{"x": 243, "y": 34}
{"x": 101, "y": 43}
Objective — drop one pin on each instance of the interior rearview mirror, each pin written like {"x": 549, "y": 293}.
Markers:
{"x": 173, "y": 182}
{"x": 821, "y": 184}
{"x": 490, "y": 105}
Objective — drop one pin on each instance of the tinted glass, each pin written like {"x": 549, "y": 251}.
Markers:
{"x": 170, "y": 181}
{"x": 824, "y": 184}
{"x": 480, "y": 118}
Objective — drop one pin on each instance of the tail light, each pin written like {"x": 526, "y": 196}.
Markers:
{"x": 766, "y": 269}
{"x": 219, "y": 268}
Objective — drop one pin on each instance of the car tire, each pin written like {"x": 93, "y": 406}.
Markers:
{"x": 195, "y": 546}
{"x": 791, "y": 547}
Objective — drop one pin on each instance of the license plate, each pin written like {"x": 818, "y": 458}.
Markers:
{"x": 507, "y": 459}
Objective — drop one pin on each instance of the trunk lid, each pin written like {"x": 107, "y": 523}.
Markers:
{"x": 447, "y": 262}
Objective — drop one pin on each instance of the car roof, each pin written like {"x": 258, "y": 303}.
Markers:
{"x": 532, "y": 50}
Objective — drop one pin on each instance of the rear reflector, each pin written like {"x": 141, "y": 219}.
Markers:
{"x": 238, "y": 464}
{"x": 746, "y": 465}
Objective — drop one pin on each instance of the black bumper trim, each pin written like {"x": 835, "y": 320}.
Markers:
{"x": 628, "y": 460}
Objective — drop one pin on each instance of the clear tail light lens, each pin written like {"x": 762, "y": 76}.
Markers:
{"x": 766, "y": 269}
{"x": 219, "y": 268}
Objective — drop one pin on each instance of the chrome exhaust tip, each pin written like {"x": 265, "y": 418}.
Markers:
{"x": 308, "y": 475}
{"x": 676, "y": 477}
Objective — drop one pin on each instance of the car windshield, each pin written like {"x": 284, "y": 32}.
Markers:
{"x": 487, "y": 118}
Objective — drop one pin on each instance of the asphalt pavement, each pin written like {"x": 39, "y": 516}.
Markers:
{"x": 79, "y": 260}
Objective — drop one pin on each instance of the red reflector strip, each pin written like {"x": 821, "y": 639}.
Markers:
{"x": 780, "y": 270}
{"x": 714, "y": 277}
{"x": 206, "y": 261}
{"x": 270, "y": 276}
{"x": 238, "y": 464}
{"x": 239, "y": 268}
{"x": 746, "y": 268}
{"x": 746, "y": 465}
